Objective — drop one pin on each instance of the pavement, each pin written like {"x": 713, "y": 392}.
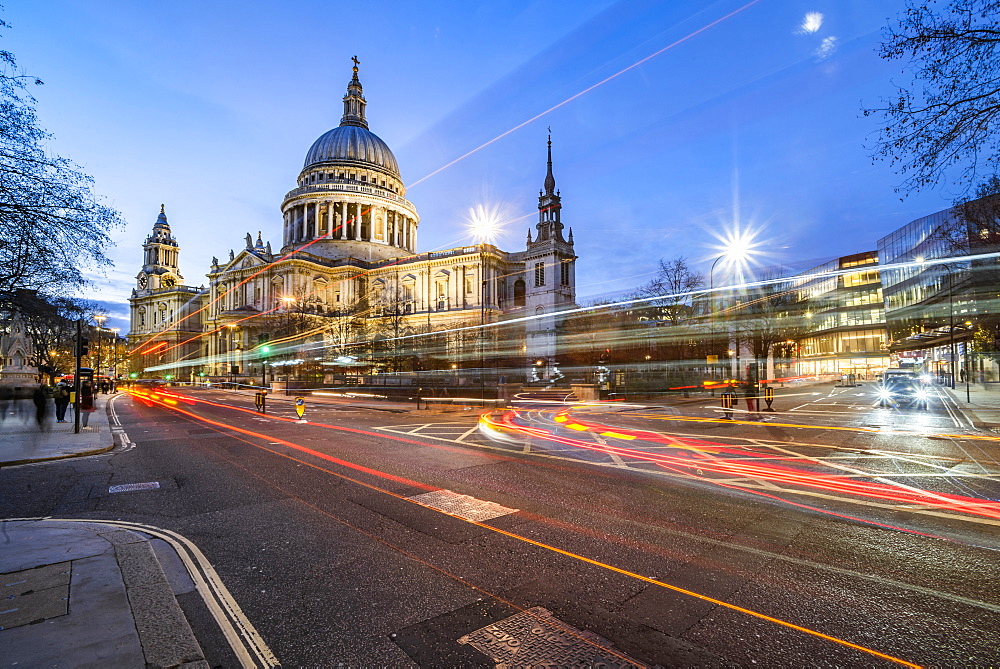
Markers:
{"x": 85, "y": 594}
{"x": 88, "y": 593}
{"x": 980, "y": 402}
{"x": 21, "y": 440}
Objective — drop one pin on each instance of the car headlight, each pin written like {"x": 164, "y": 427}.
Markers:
{"x": 884, "y": 394}
{"x": 921, "y": 394}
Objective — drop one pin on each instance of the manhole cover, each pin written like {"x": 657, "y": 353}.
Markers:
{"x": 462, "y": 506}
{"x": 133, "y": 487}
{"x": 536, "y": 638}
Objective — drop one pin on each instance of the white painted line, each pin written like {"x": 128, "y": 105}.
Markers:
{"x": 134, "y": 487}
{"x": 461, "y": 506}
{"x": 242, "y": 636}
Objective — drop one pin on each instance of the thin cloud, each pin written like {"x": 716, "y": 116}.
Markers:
{"x": 827, "y": 47}
{"x": 811, "y": 23}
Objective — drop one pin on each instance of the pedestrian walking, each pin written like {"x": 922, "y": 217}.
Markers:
{"x": 62, "y": 395}
{"x": 41, "y": 399}
{"x": 86, "y": 401}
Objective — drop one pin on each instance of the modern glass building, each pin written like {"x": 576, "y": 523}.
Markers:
{"x": 844, "y": 307}
{"x": 930, "y": 301}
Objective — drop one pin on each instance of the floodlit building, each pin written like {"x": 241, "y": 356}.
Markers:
{"x": 845, "y": 317}
{"x": 166, "y": 315}
{"x": 348, "y": 286}
{"x": 936, "y": 307}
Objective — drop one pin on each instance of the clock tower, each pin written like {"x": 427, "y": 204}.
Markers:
{"x": 160, "y": 257}
{"x": 165, "y": 313}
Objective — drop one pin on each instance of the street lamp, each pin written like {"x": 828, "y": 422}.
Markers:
{"x": 484, "y": 223}
{"x": 231, "y": 345}
{"x": 114, "y": 354}
{"x": 737, "y": 250}
{"x": 97, "y": 370}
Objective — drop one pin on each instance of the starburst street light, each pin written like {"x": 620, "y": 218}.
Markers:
{"x": 484, "y": 224}
{"x": 739, "y": 248}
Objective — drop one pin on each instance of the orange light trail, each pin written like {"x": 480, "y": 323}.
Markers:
{"x": 512, "y": 535}
{"x": 698, "y": 459}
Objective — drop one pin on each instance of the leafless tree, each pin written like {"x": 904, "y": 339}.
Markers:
{"x": 51, "y": 223}
{"x": 672, "y": 285}
{"x": 948, "y": 113}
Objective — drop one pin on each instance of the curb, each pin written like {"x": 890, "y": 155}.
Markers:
{"x": 28, "y": 461}
{"x": 80, "y": 454}
{"x": 969, "y": 412}
{"x": 164, "y": 633}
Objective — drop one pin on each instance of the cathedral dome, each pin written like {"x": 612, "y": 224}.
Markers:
{"x": 352, "y": 144}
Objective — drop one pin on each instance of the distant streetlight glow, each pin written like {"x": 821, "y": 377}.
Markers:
{"x": 485, "y": 222}
{"x": 738, "y": 248}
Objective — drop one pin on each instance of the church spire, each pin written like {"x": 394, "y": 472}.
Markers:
{"x": 549, "y": 204}
{"x": 550, "y": 181}
{"x": 161, "y": 222}
{"x": 354, "y": 101}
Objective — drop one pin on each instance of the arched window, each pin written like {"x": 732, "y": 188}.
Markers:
{"x": 519, "y": 293}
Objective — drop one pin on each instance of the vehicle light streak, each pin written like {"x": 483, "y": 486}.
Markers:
{"x": 700, "y": 460}
{"x": 485, "y": 526}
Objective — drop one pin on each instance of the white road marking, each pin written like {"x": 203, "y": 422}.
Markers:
{"x": 465, "y": 507}
{"x": 242, "y": 636}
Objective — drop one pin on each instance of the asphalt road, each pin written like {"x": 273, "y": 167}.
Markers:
{"x": 633, "y": 529}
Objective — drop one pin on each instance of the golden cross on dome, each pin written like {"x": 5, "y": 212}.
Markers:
{"x": 356, "y": 61}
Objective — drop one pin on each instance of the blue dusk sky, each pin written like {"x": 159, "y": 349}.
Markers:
{"x": 748, "y": 116}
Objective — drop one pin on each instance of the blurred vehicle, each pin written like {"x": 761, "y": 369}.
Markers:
{"x": 149, "y": 385}
{"x": 897, "y": 372}
{"x": 899, "y": 390}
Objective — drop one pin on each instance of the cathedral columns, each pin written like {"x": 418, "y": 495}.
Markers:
{"x": 343, "y": 220}
{"x": 357, "y": 222}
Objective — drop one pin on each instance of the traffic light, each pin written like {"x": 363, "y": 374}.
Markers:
{"x": 83, "y": 346}
{"x": 264, "y": 350}
{"x": 132, "y": 375}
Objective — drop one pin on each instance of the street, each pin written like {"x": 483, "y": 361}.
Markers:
{"x": 831, "y": 531}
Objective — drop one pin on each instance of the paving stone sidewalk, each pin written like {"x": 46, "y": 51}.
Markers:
{"x": 21, "y": 440}
{"x": 81, "y": 594}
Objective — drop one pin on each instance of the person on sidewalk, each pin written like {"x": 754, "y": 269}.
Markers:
{"x": 62, "y": 394}
{"x": 41, "y": 399}
{"x": 86, "y": 402}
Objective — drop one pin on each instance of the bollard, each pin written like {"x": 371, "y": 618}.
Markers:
{"x": 728, "y": 400}
{"x": 300, "y": 408}
{"x": 768, "y": 397}
{"x": 259, "y": 399}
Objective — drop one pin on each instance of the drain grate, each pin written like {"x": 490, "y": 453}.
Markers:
{"x": 134, "y": 487}
{"x": 462, "y": 506}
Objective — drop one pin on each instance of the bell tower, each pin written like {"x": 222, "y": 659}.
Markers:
{"x": 550, "y": 280}
{"x": 160, "y": 258}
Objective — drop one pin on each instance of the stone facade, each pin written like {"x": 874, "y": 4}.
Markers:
{"x": 349, "y": 255}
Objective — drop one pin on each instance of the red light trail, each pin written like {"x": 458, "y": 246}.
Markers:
{"x": 159, "y": 398}
{"x": 700, "y": 456}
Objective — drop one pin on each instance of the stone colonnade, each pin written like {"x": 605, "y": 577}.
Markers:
{"x": 357, "y": 221}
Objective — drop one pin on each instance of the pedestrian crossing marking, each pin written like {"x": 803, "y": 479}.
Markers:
{"x": 463, "y": 506}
